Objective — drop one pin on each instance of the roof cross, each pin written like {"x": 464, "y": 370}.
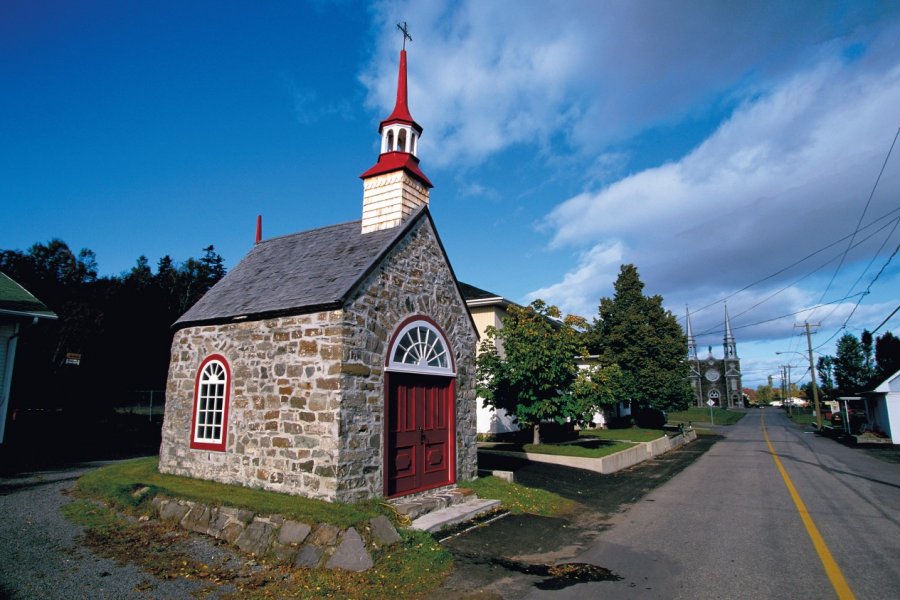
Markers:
{"x": 405, "y": 31}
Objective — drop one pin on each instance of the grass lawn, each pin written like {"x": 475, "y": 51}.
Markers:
{"x": 632, "y": 434}
{"x": 583, "y": 448}
{"x": 604, "y": 448}
{"x": 519, "y": 499}
{"x": 701, "y": 415}
{"x": 410, "y": 569}
{"x": 802, "y": 417}
{"x": 413, "y": 568}
{"x": 115, "y": 484}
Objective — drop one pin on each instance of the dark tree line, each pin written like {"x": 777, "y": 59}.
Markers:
{"x": 121, "y": 326}
{"x": 859, "y": 364}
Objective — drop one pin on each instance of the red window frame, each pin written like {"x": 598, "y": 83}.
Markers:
{"x": 205, "y": 444}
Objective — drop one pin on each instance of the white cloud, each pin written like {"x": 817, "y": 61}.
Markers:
{"x": 488, "y": 75}
{"x": 580, "y": 290}
{"x": 789, "y": 171}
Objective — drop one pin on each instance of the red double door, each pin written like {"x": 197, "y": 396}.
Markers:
{"x": 420, "y": 426}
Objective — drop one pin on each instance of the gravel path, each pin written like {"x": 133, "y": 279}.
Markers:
{"x": 40, "y": 553}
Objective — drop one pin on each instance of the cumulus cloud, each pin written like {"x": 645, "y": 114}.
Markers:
{"x": 489, "y": 75}
{"x": 790, "y": 170}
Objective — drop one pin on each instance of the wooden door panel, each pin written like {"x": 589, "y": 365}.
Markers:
{"x": 419, "y": 448}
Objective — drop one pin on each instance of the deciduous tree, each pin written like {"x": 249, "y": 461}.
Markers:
{"x": 532, "y": 375}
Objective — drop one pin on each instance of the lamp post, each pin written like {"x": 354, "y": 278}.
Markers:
{"x": 815, "y": 387}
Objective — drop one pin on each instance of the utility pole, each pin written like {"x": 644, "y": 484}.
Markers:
{"x": 812, "y": 373}
{"x": 790, "y": 392}
{"x": 783, "y": 382}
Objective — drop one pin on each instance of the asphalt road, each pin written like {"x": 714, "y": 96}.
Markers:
{"x": 508, "y": 558}
{"x": 727, "y": 526}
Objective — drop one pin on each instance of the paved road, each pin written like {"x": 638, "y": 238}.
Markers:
{"x": 727, "y": 526}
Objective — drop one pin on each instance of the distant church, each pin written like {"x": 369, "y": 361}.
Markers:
{"x": 715, "y": 379}
{"x": 336, "y": 363}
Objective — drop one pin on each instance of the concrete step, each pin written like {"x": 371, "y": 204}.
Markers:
{"x": 456, "y": 513}
{"x": 416, "y": 507}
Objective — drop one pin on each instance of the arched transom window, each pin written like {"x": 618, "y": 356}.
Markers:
{"x": 210, "y": 420}
{"x": 421, "y": 348}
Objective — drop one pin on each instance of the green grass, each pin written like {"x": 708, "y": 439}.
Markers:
{"x": 576, "y": 450}
{"x": 701, "y": 415}
{"x": 410, "y": 569}
{"x": 633, "y": 434}
{"x": 115, "y": 484}
{"x": 802, "y": 417}
{"x": 519, "y": 499}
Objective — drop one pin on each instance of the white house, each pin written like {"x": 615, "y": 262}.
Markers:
{"x": 883, "y": 407}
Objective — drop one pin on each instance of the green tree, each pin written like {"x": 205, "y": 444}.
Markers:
{"x": 596, "y": 388}
{"x": 825, "y": 369}
{"x": 766, "y": 394}
{"x": 527, "y": 366}
{"x": 887, "y": 356}
{"x": 645, "y": 341}
{"x": 851, "y": 374}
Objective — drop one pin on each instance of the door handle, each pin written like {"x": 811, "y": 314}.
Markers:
{"x": 422, "y": 438}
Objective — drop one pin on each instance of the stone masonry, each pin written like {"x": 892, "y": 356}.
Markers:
{"x": 293, "y": 542}
{"x": 307, "y": 394}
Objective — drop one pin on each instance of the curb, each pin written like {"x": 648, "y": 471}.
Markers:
{"x": 606, "y": 465}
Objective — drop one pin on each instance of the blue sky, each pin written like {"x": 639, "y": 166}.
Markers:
{"x": 712, "y": 144}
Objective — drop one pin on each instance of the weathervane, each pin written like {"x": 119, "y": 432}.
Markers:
{"x": 405, "y": 31}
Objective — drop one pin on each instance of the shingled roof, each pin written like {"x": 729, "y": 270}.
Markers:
{"x": 304, "y": 272}
{"x": 19, "y": 302}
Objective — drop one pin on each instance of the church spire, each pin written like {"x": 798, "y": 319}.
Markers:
{"x": 395, "y": 187}
{"x": 730, "y": 346}
{"x": 692, "y": 342}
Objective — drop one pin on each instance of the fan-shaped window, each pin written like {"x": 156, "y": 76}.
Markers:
{"x": 421, "y": 348}
{"x": 210, "y": 421}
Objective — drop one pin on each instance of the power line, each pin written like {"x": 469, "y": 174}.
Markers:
{"x": 793, "y": 314}
{"x": 864, "y": 271}
{"x": 861, "y": 216}
{"x": 802, "y": 260}
{"x": 888, "y": 318}
{"x": 865, "y": 293}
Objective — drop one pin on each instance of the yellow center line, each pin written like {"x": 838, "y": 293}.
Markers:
{"x": 831, "y": 567}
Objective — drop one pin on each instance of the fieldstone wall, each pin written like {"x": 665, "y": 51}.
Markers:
{"x": 414, "y": 280}
{"x": 294, "y": 542}
{"x": 283, "y": 421}
{"x": 307, "y": 393}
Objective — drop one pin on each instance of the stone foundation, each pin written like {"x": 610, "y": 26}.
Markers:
{"x": 300, "y": 544}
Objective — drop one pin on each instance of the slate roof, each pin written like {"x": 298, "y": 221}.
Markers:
{"x": 304, "y": 272}
{"x": 475, "y": 297}
{"x": 470, "y": 292}
{"x": 17, "y": 301}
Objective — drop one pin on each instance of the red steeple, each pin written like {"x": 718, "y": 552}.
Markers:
{"x": 399, "y": 136}
{"x": 401, "y": 114}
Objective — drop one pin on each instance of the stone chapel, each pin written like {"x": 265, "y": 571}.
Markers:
{"x": 715, "y": 379}
{"x": 336, "y": 363}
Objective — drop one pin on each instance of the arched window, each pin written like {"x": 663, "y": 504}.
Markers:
{"x": 401, "y": 141}
{"x": 390, "y": 140}
{"x": 713, "y": 395}
{"x": 211, "y": 394}
{"x": 420, "y": 347}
